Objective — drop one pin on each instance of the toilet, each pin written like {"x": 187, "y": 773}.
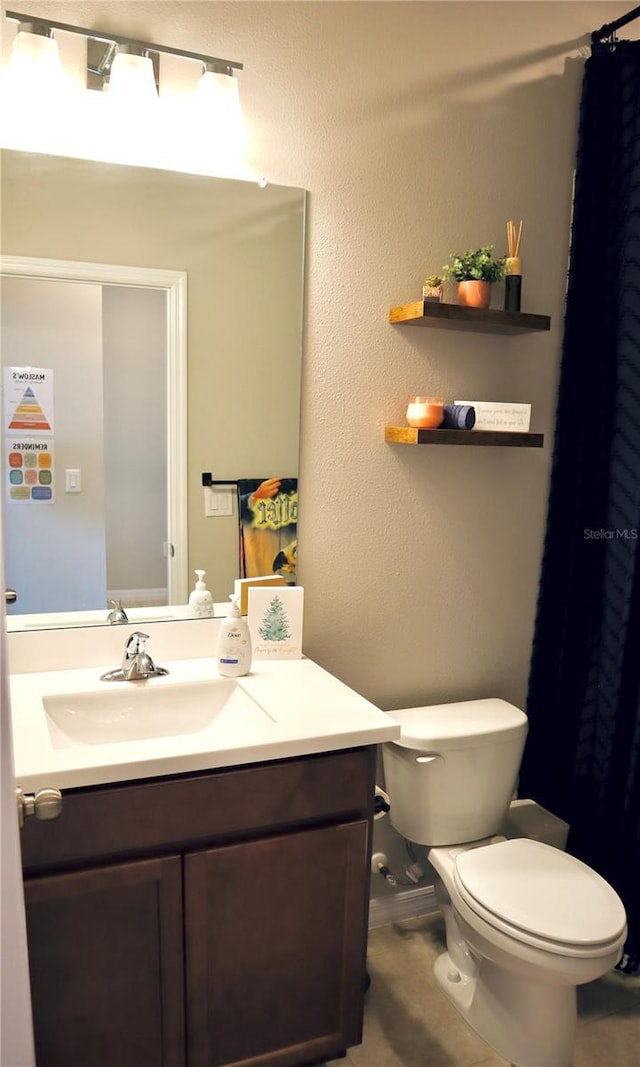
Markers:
{"x": 525, "y": 922}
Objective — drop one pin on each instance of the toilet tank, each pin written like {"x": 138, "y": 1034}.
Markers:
{"x": 452, "y": 772}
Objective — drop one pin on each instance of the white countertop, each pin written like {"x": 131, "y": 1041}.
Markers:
{"x": 308, "y": 711}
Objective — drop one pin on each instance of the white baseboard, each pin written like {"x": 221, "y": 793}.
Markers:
{"x": 408, "y": 904}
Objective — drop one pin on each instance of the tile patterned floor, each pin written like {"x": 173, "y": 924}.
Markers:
{"x": 409, "y": 1023}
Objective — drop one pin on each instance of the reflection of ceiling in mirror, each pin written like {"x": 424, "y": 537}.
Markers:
{"x": 245, "y": 303}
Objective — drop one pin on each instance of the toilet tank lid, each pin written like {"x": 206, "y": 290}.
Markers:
{"x": 462, "y": 724}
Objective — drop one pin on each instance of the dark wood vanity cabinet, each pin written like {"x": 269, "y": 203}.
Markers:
{"x": 206, "y": 920}
{"x": 106, "y": 963}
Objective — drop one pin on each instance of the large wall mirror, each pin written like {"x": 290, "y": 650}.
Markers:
{"x": 166, "y": 309}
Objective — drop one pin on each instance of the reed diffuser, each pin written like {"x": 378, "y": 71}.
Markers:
{"x": 513, "y": 268}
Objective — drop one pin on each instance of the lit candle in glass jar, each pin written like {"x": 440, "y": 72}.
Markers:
{"x": 425, "y": 412}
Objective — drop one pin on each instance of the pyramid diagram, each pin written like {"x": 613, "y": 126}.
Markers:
{"x": 28, "y": 414}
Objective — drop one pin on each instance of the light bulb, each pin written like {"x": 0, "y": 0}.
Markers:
{"x": 217, "y": 102}
{"x": 131, "y": 80}
{"x": 34, "y": 94}
{"x": 34, "y": 68}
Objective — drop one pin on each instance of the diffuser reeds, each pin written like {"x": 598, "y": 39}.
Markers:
{"x": 513, "y": 239}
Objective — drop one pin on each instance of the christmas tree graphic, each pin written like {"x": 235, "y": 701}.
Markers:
{"x": 275, "y": 624}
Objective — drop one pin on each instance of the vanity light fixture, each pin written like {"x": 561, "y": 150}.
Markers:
{"x": 127, "y": 68}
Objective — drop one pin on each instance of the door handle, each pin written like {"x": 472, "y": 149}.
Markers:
{"x": 10, "y": 596}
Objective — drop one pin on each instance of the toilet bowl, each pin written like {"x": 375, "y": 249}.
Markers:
{"x": 525, "y": 922}
{"x": 525, "y": 925}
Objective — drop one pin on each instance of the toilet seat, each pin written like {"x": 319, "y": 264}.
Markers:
{"x": 540, "y": 896}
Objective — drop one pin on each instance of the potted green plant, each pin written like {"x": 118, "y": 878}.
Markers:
{"x": 432, "y": 288}
{"x": 475, "y": 271}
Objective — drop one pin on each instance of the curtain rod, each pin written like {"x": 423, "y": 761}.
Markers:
{"x": 610, "y": 28}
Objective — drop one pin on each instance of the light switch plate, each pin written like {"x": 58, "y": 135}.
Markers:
{"x": 217, "y": 502}
{"x": 72, "y": 481}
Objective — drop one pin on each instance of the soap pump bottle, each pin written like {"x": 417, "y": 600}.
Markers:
{"x": 200, "y": 600}
{"x": 234, "y": 643}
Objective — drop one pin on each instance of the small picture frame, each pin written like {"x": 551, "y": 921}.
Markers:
{"x": 275, "y": 622}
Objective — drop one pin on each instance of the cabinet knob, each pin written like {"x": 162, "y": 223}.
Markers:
{"x": 44, "y": 804}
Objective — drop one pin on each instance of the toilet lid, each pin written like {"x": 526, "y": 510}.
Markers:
{"x": 541, "y": 891}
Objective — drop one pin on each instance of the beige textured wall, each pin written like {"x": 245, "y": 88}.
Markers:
{"x": 418, "y": 128}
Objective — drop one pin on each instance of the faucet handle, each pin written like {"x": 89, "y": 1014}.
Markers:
{"x": 136, "y": 643}
{"x": 136, "y": 662}
{"x": 118, "y": 614}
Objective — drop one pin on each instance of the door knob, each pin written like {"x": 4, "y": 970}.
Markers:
{"x": 10, "y": 596}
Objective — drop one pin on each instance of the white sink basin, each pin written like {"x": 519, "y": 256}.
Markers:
{"x": 135, "y": 711}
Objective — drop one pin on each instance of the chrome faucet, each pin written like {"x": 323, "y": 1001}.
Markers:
{"x": 118, "y": 614}
{"x": 136, "y": 662}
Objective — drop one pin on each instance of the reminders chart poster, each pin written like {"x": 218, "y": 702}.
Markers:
{"x": 28, "y": 434}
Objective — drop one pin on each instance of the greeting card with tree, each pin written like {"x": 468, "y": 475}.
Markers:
{"x": 275, "y": 622}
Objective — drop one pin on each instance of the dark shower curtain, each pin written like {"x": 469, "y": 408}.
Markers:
{"x": 582, "y": 758}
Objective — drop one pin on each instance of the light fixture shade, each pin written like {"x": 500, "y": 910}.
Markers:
{"x": 219, "y": 110}
{"x": 132, "y": 80}
{"x": 35, "y": 66}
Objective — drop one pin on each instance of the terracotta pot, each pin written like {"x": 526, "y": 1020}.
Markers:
{"x": 473, "y": 294}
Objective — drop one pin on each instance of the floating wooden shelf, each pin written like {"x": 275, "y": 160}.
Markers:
{"x": 456, "y": 317}
{"x": 411, "y": 435}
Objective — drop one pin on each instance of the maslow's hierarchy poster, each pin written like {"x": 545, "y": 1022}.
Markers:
{"x": 28, "y": 400}
{"x": 28, "y": 434}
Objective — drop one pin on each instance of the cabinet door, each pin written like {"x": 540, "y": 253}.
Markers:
{"x": 106, "y": 965}
{"x": 275, "y": 947}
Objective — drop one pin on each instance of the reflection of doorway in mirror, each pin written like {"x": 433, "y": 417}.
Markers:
{"x": 54, "y": 553}
{"x": 108, "y": 532}
{"x": 135, "y": 444}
